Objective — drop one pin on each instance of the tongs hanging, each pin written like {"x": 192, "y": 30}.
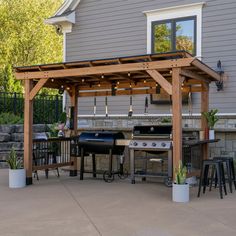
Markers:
{"x": 146, "y": 105}
{"x": 130, "y": 107}
{"x": 94, "y": 106}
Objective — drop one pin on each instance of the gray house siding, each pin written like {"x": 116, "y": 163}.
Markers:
{"x": 106, "y": 29}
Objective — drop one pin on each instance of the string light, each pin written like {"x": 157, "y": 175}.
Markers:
{"x": 145, "y": 81}
{"x": 83, "y": 80}
{"x": 118, "y": 82}
{"x": 99, "y": 85}
{"x": 52, "y": 80}
{"x": 129, "y": 74}
{"x": 130, "y": 85}
{"x": 102, "y": 76}
{"x": 68, "y": 88}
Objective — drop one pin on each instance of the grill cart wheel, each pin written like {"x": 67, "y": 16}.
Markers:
{"x": 168, "y": 182}
{"x": 123, "y": 175}
{"x": 108, "y": 177}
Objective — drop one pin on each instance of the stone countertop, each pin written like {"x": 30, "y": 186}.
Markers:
{"x": 130, "y": 129}
{"x": 104, "y": 129}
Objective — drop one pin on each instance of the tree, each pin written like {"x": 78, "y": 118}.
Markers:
{"x": 25, "y": 38}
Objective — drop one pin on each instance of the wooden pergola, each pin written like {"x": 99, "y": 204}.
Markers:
{"x": 175, "y": 72}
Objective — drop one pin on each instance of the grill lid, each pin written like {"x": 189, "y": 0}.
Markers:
{"x": 101, "y": 142}
{"x": 162, "y": 131}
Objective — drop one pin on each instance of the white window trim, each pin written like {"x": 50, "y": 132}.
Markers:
{"x": 172, "y": 13}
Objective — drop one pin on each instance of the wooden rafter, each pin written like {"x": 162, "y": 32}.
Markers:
{"x": 194, "y": 75}
{"x": 206, "y": 69}
{"x": 37, "y": 87}
{"x": 161, "y": 81}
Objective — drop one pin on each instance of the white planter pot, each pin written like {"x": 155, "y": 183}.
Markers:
{"x": 17, "y": 178}
{"x": 180, "y": 192}
{"x": 211, "y": 134}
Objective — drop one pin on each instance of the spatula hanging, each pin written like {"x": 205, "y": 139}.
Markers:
{"x": 94, "y": 106}
{"x": 106, "y": 106}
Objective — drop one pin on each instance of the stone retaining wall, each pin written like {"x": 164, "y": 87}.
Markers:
{"x": 12, "y": 136}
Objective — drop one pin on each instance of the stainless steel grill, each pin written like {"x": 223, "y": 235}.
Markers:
{"x": 151, "y": 140}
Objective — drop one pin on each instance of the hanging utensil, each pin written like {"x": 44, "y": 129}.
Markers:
{"x": 106, "y": 106}
{"x": 95, "y": 106}
{"x": 130, "y": 107}
{"x": 146, "y": 105}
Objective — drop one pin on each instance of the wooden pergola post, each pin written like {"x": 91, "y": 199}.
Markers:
{"x": 177, "y": 116}
{"x": 28, "y": 131}
{"x": 204, "y": 108}
{"x": 74, "y": 103}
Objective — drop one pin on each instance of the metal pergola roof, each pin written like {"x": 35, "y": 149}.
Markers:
{"x": 117, "y": 76}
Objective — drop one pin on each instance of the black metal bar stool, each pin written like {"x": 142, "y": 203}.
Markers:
{"x": 229, "y": 162}
{"x": 217, "y": 168}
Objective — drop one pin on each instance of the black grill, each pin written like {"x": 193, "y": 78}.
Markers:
{"x": 101, "y": 142}
{"x": 92, "y": 143}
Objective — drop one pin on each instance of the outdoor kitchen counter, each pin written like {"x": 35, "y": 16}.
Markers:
{"x": 191, "y": 143}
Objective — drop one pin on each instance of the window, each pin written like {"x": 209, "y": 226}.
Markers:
{"x": 175, "y": 28}
{"x": 174, "y": 35}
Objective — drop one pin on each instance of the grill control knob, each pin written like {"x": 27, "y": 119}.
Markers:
{"x": 135, "y": 144}
{"x": 144, "y": 144}
{"x": 154, "y": 144}
{"x": 163, "y": 144}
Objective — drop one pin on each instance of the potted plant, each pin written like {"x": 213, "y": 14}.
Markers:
{"x": 17, "y": 177}
{"x": 211, "y": 121}
{"x": 180, "y": 189}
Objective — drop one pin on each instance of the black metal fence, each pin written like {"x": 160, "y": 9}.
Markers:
{"x": 47, "y": 108}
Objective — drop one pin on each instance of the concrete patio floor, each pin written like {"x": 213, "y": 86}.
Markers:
{"x": 67, "y": 206}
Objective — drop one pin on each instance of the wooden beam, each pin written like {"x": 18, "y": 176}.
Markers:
{"x": 118, "y": 92}
{"x": 74, "y": 104}
{"x": 129, "y": 67}
{"x": 52, "y": 166}
{"x": 177, "y": 117}
{"x": 28, "y": 133}
{"x": 204, "y": 125}
{"x": 206, "y": 69}
{"x": 37, "y": 87}
{"x": 161, "y": 81}
{"x": 120, "y": 85}
{"x": 193, "y": 75}
{"x": 195, "y": 89}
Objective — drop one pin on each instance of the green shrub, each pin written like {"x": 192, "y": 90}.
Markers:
{"x": 10, "y": 118}
{"x": 180, "y": 174}
{"x": 211, "y": 118}
{"x": 53, "y": 130}
{"x": 14, "y": 162}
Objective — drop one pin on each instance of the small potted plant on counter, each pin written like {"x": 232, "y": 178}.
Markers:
{"x": 17, "y": 177}
{"x": 180, "y": 189}
{"x": 211, "y": 118}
